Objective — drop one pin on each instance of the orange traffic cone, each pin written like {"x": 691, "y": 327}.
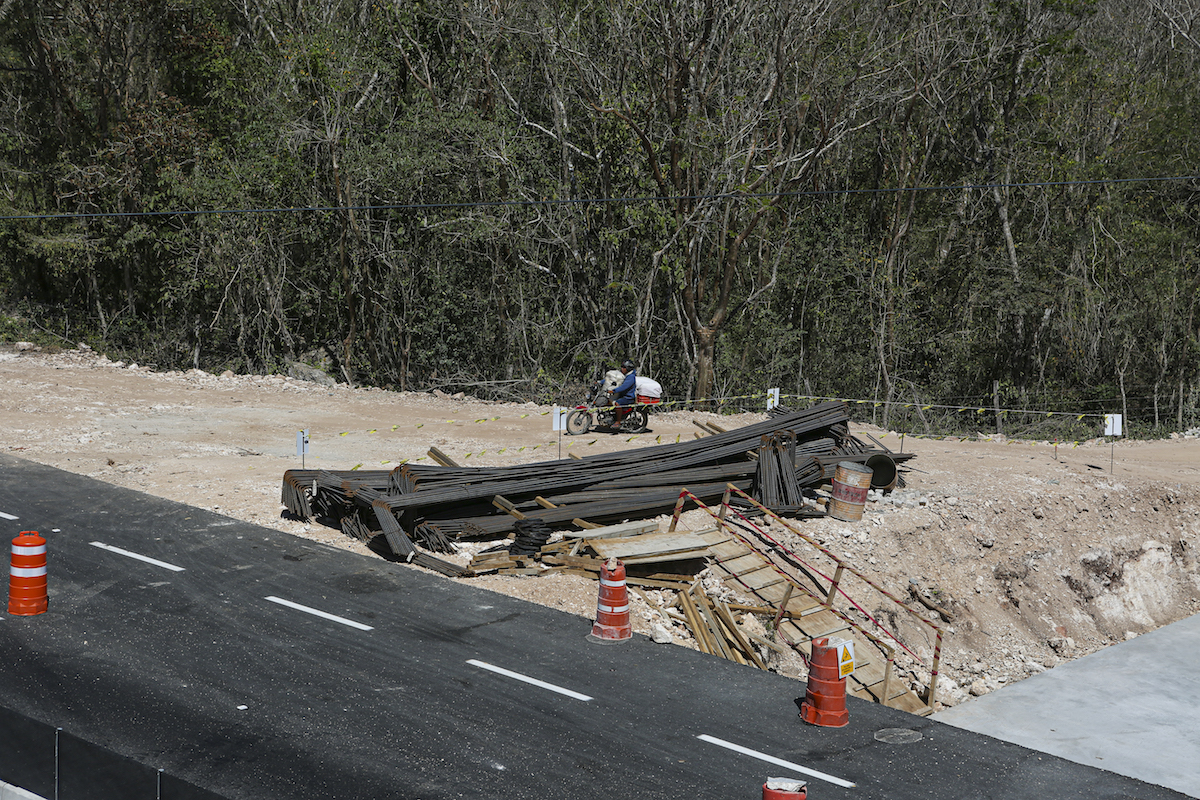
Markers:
{"x": 27, "y": 575}
{"x": 825, "y": 699}
{"x": 784, "y": 789}
{"x": 612, "y": 607}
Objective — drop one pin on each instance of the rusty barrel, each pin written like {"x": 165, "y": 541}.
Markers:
{"x": 884, "y": 474}
{"x": 850, "y": 484}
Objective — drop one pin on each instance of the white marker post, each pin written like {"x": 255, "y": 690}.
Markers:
{"x": 772, "y": 398}
{"x": 558, "y": 422}
{"x": 1112, "y": 427}
{"x": 302, "y": 446}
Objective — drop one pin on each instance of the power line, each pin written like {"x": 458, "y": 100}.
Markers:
{"x": 590, "y": 200}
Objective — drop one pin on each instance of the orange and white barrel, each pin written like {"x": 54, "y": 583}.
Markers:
{"x": 825, "y": 698}
{"x": 612, "y": 606}
{"x": 27, "y": 575}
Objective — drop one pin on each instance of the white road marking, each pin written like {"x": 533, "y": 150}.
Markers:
{"x": 138, "y": 556}
{"x": 534, "y": 681}
{"x": 779, "y": 762}
{"x": 321, "y": 614}
{"x": 7, "y": 516}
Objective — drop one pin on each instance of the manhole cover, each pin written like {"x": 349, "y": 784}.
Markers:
{"x": 897, "y": 736}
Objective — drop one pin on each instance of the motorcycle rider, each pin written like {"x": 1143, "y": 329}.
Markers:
{"x": 625, "y": 395}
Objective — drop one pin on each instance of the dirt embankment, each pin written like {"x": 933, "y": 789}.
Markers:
{"x": 1037, "y": 554}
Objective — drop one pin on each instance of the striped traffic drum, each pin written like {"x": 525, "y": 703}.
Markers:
{"x": 27, "y": 575}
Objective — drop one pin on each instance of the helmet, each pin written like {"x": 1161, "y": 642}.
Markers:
{"x": 627, "y": 364}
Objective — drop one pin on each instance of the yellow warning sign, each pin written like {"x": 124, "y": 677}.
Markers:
{"x": 845, "y": 652}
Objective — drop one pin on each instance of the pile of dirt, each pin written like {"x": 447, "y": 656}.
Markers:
{"x": 1036, "y": 553}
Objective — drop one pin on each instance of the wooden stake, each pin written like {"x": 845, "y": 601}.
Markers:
{"x": 833, "y": 587}
{"x": 787, "y": 595}
{"x": 441, "y": 458}
{"x": 693, "y": 618}
{"x": 504, "y": 505}
{"x": 726, "y": 617}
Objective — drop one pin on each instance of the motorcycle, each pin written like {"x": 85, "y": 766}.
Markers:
{"x": 597, "y": 411}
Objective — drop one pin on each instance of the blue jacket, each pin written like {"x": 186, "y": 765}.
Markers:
{"x": 626, "y": 393}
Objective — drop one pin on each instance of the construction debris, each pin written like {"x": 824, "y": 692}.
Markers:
{"x": 570, "y": 516}
{"x": 433, "y": 506}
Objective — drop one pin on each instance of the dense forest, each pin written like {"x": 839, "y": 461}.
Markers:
{"x": 967, "y": 202}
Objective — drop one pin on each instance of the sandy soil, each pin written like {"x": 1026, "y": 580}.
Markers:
{"x": 1037, "y": 554}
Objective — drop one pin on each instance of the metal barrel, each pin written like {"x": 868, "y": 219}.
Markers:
{"x": 883, "y": 472}
{"x": 850, "y": 484}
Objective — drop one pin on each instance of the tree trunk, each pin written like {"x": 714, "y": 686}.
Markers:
{"x": 996, "y": 405}
{"x": 706, "y": 341}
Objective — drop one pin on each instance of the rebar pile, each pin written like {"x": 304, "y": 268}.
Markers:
{"x": 431, "y": 506}
{"x": 531, "y": 534}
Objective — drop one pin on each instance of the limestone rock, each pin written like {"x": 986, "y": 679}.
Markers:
{"x": 661, "y": 635}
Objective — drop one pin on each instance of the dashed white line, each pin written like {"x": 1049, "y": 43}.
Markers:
{"x": 7, "y": 516}
{"x": 526, "y": 679}
{"x": 779, "y": 762}
{"x": 318, "y": 613}
{"x": 138, "y": 556}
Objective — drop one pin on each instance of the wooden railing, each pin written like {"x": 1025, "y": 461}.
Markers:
{"x": 828, "y": 594}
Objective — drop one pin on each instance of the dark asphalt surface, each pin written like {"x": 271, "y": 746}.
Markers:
{"x": 196, "y": 672}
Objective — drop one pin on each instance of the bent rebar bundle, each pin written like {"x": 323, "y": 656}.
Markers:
{"x": 432, "y": 506}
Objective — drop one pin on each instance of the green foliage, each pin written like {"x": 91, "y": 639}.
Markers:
{"x": 391, "y": 180}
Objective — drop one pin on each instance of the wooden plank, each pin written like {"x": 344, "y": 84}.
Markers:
{"x": 715, "y": 630}
{"x": 774, "y": 593}
{"x": 579, "y": 562}
{"x": 759, "y": 578}
{"x": 626, "y": 547}
{"x": 659, "y": 558}
{"x": 766, "y": 611}
{"x": 727, "y": 551}
{"x": 620, "y": 529}
{"x": 911, "y": 702}
{"x": 441, "y": 458}
{"x": 655, "y": 583}
{"x": 742, "y": 563}
{"x": 836, "y": 629}
{"x": 731, "y": 625}
{"x": 695, "y": 623}
{"x": 676, "y": 577}
{"x": 713, "y": 537}
{"x": 503, "y": 504}
{"x": 875, "y": 690}
{"x": 765, "y": 642}
{"x": 582, "y": 573}
{"x": 491, "y": 558}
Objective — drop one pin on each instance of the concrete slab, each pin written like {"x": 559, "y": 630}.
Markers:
{"x": 1130, "y": 709}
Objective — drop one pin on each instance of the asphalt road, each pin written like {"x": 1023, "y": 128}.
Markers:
{"x": 258, "y": 665}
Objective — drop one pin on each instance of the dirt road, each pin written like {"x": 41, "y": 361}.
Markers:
{"x": 1039, "y": 554}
